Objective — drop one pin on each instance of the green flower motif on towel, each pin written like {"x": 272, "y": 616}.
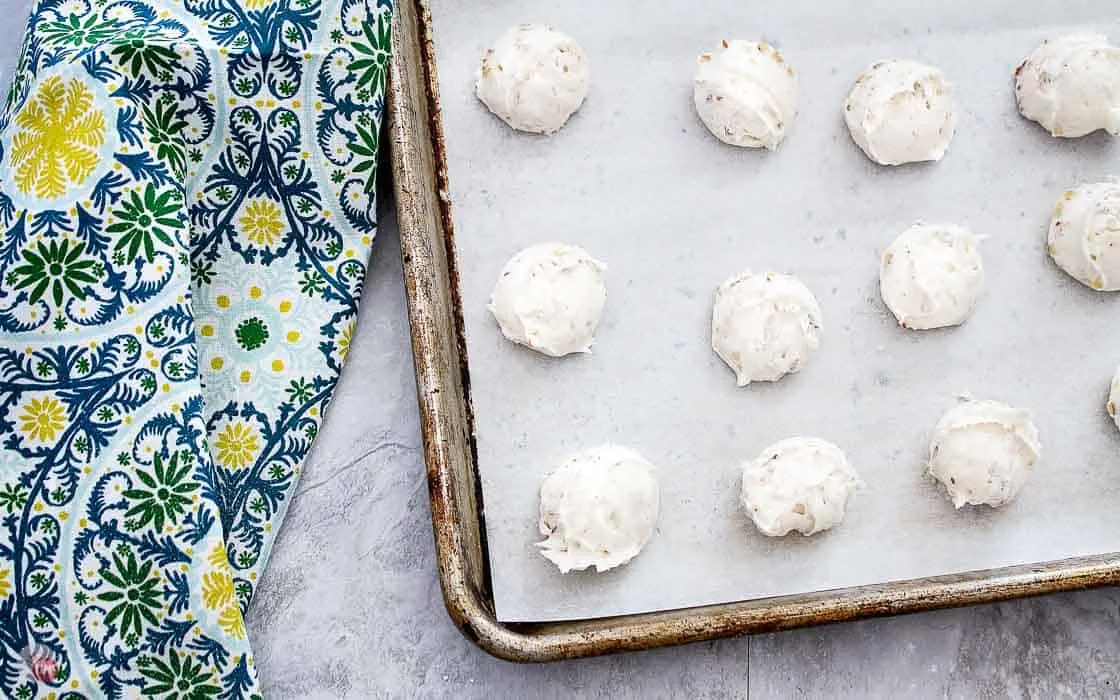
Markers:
{"x": 135, "y": 596}
{"x": 176, "y": 677}
{"x": 251, "y": 333}
{"x": 13, "y": 497}
{"x": 366, "y": 150}
{"x": 144, "y": 220}
{"x": 57, "y": 267}
{"x": 373, "y": 53}
{"x": 77, "y": 32}
{"x": 140, "y": 51}
{"x": 165, "y": 129}
{"x": 166, "y": 496}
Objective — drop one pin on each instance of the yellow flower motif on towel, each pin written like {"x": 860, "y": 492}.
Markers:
{"x": 262, "y": 222}
{"x": 218, "y": 557}
{"x": 217, "y": 589}
{"x": 42, "y": 419}
{"x": 5, "y": 582}
{"x": 237, "y": 445}
{"x": 231, "y": 621}
{"x": 344, "y": 340}
{"x": 60, "y": 132}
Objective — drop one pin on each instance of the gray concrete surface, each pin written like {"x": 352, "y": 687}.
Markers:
{"x": 350, "y": 605}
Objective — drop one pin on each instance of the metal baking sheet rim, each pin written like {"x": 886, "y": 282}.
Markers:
{"x": 443, "y": 388}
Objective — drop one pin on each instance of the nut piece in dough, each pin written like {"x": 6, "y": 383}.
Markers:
{"x": 765, "y": 325}
{"x": 1113, "y": 405}
{"x": 983, "y": 452}
{"x": 598, "y": 509}
{"x": 1084, "y": 235}
{"x": 1071, "y": 86}
{"x": 931, "y": 276}
{"x": 800, "y": 484}
{"x": 550, "y": 298}
{"x": 533, "y": 78}
{"x": 901, "y": 111}
{"x": 746, "y": 94}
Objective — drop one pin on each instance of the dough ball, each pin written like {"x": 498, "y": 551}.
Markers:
{"x": 746, "y": 94}
{"x": 550, "y": 298}
{"x": 1084, "y": 235}
{"x": 901, "y": 111}
{"x": 1071, "y": 86}
{"x": 533, "y": 78}
{"x": 598, "y": 509}
{"x": 931, "y": 276}
{"x": 765, "y": 326}
{"x": 983, "y": 451}
{"x": 800, "y": 484}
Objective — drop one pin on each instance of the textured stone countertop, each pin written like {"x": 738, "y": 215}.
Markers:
{"x": 350, "y": 605}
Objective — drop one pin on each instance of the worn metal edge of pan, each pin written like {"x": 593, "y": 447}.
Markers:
{"x": 431, "y": 282}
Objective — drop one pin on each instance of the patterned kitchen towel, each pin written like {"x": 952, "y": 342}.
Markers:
{"x": 186, "y": 211}
{"x": 282, "y": 216}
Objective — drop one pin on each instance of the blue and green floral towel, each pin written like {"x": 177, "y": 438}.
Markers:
{"x": 186, "y": 211}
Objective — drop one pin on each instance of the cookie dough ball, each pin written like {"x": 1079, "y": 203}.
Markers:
{"x": 901, "y": 111}
{"x": 598, "y": 509}
{"x": 550, "y": 298}
{"x": 533, "y": 78}
{"x": 1071, "y": 86}
{"x": 983, "y": 452}
{"x": 800, "y": 484}
{"x": 1084, "y": 235}
{"x": 931, "y": 276}
{"x": 746, "y": 94}
{"x": 765, "y": 325}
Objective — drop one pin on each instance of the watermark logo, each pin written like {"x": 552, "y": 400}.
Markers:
{"x": 42, "y": 662}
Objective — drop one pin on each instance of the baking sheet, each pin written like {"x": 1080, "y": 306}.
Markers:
{"x": 637, "y": 180}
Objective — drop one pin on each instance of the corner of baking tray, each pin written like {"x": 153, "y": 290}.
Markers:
{"x": 470, "y": 611}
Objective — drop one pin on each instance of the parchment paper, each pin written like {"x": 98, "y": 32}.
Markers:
{"x": 637, "y": 180}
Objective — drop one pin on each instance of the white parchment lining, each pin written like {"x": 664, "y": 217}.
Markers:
{"x": 637, "y": 180}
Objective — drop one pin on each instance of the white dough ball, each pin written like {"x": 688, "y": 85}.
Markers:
{"x": 598, "y": 509}
{"x": 765, "y": 325}
{"x": 550, "y": 298}
{"x": 1084, "y": 235}
{"x": 1071, "y": 86}
{"x": 983, "y": 452}
{"x": 746, "y": 94}
{"x": 800, "y": 484}
{"x": 931, "y": 276}
{"x": 901, "y": 111}
{"x": 533, "y": 78}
